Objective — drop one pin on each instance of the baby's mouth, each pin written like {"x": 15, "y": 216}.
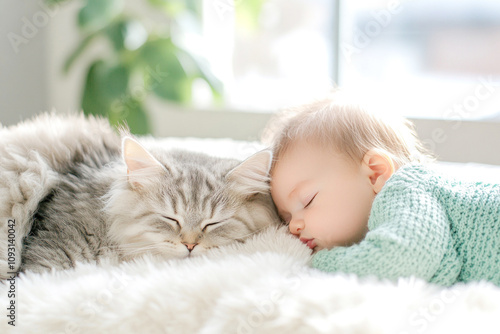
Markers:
{"x": 311, "y": 243}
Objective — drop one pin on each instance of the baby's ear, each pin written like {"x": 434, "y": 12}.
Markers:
{"x": 140, "y": 163}
{"x": 379, "y": 167}
{"x": 252, "y": 175}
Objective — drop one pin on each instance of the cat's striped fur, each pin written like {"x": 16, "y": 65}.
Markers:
{"x": 76, "y": 195}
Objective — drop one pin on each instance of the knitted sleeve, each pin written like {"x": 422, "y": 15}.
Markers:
{"x": 408, "y": 234}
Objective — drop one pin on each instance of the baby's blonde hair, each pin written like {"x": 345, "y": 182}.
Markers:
{"x": 347, "y": 127}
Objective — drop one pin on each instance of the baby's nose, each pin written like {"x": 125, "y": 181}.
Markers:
{"x": 296, "y": 226}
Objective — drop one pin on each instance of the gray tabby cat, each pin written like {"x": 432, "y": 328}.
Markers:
{"x": 75, "y": 195}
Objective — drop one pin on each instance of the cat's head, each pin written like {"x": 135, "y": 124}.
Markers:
{"x": 178, "y": 203}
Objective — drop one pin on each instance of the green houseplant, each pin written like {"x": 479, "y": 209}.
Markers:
{"x": 139, "y": 62}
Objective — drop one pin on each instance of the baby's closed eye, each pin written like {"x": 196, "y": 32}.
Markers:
{"x": 310, "y": 199}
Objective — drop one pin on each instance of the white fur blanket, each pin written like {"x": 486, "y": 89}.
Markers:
{"x": 263, "y": 286}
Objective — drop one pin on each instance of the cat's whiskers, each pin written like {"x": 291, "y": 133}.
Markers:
{"x": 155, "y": 248}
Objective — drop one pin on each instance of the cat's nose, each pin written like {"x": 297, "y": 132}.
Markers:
{"x": 189, "y": 246}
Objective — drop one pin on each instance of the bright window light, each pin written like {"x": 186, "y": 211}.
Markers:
{"x": 285, "y": 59}
{"x": 425, "y": 58}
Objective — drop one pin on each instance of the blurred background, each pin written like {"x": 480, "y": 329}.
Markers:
{"x": 221, "y": 68}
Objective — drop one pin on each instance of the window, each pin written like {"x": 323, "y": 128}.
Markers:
{"x": 427, "y": 58}
{"x": 434, "y": 61}
{"x": 284, "y": 58}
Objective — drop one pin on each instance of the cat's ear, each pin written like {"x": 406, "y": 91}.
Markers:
{"x": 140, "y": 163}
{"x": 252, "y": 175}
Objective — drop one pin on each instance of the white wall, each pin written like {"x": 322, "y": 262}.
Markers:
{"x": 63, "y": 38}
{"x": 31, "y": 76}
{"x": 23, "y": 70}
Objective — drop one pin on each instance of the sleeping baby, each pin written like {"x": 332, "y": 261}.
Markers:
{"x": 361, "y": 193}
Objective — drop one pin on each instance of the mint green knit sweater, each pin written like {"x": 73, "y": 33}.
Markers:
{"x": 428, "y": 226}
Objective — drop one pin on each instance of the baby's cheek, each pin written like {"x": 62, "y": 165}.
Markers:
{"x": 320, "y": 220}
{"x": 274, "y": 195}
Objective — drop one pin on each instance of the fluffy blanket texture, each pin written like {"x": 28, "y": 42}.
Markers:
{"x": 262, "y": 286}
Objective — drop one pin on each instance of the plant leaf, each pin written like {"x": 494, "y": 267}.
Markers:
{"x": 137, "y": 119}
{"x": 93, "y": 101}
{"x": 116, "y": 33}
{"x": 126, "y": 34}
{"x": 164, "y": 72}
{"x": 106, "y": 93}
{"x": 114, "y": 80}
{"x": 106, "y": 85}
{"x": 171, "y": 7}
{"x": 96, "y": 14}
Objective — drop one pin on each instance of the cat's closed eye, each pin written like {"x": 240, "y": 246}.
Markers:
{"x": 211, "y": 224}
{"x": 173, "y": 220}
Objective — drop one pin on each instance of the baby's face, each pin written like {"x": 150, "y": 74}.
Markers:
{"x": 325, "y": 198}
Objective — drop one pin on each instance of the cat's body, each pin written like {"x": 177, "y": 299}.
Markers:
{"x": 76, "y": 195}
